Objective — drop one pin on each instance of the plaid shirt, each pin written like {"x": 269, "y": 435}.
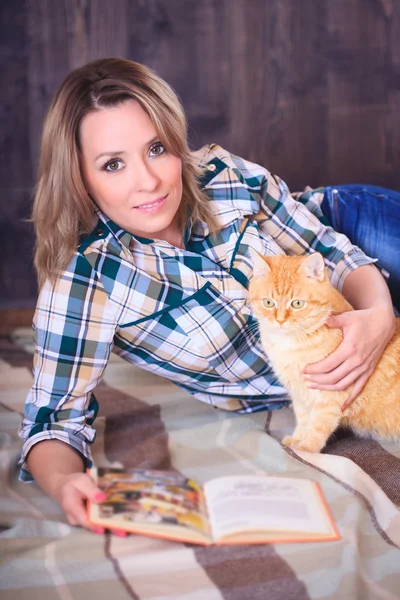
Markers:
{"x": 180, "y": 313}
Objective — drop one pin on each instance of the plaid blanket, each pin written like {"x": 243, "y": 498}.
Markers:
{"x": 146, "y": 421}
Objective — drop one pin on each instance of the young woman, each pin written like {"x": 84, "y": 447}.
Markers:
{"x": 142, "y": 248}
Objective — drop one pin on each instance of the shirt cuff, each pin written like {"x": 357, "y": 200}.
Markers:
{"x": 78, "y": 444}
{"x": 351, "y": 261}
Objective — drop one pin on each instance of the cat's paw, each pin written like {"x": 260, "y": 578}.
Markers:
{"x": 308, "y": 445}
{"x": 290, "y": 441}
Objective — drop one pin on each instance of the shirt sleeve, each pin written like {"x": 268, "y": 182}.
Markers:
{"x": 74, "y": 327}
{"x": 301, "y": 228}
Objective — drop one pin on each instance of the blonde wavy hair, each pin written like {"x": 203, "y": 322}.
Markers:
{"x": 62, "y": 209}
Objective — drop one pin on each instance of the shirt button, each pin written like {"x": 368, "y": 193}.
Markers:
{"x": 100, "y": 231}
{"x": 212, "y": 167}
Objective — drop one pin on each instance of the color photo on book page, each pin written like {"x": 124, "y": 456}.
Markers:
{"x": 155, "y": 497}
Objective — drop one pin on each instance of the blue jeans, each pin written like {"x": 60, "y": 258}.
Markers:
{"x": 370, "y": 217}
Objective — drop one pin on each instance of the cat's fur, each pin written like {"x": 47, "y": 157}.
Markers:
{"x": 293, "y": 338}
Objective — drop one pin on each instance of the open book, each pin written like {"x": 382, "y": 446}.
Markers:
{"x": 228, "y": 510}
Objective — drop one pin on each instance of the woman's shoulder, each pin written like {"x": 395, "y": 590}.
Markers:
{"x": 214, "y": 154}
{"x": 253, "y": 175}
{"x": 233, "y": 184}
{"x": 77, "y": 272}
{"x": 208, "y": 152}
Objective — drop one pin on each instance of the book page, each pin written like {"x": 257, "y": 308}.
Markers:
{"x": 256, "y": 503}
{"x": 141, "y": 500}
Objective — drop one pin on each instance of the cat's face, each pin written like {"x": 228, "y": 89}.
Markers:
{"x": 290, "y": 294}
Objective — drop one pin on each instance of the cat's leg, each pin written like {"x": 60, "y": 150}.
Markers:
{"x": 323, "y": 418}
{"x": 301, "y": 415}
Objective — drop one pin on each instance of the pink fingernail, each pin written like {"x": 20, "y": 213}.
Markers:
{"x": 99, "y": 530}
{"x": 120, "y": 533}
{"x": 100, "y": 497}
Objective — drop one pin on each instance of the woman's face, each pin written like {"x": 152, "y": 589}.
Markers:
{"x": 129, "y": 173}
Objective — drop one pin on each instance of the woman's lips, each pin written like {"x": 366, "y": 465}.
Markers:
{"x": 152, "y": 207}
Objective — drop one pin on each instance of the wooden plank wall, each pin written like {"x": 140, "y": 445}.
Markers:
{"x": 310, "y": 88}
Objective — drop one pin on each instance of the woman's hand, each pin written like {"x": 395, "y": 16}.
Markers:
{"x": 59, "y": 470}
{"x": 365, "y": 336}
{"x": 72, "y": 491}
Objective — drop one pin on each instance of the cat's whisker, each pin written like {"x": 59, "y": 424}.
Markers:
{"x": 253, "y": 328}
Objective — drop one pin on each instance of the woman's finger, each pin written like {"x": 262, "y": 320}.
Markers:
{"x": 342, "y": 353}
{"x": 75, "y": 493}
{"x": 88, "y": 489}
{"x": 332, "y": 378}
{"x": 341, "y": 384}
{"x": 120, "y": 533}
{"x": 98, "y": 530}
{"x": 74, "y": 506}
{"x": 71, "y": 519}
{"x": 357, "y": 388}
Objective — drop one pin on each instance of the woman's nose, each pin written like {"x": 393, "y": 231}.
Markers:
{"x": 147, "y": 178}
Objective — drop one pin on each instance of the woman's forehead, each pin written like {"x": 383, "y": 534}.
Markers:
{"x": 125, "y": 125}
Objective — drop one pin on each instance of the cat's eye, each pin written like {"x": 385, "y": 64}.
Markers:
{"x": 298, "y": 303}
{"x": 268, "y": 303}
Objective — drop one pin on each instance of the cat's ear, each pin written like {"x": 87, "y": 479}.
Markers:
{"x": 260, "y": 266}
{"x": 313, "y": 266}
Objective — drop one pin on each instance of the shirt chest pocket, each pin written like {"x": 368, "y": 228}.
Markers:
{"x": 191, "y": 335}
{"x": 164, "y": 335}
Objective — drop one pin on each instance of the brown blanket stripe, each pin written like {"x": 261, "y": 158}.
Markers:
{"x": 114, "y": 561}
{"x": 255, "y": 572}
{"x": 134, "y": 433}
{"x": 383, "y": 467}
{"x": 355, "y": 492}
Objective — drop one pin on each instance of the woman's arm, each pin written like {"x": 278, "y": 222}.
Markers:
{"x": 58, "y": 470}
{"x": 366, "y": 288}
{"x": 366, "y": 332}
{"x": 74, "y": 330}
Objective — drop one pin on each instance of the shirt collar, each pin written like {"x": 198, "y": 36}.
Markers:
{"x": 123, "y": 236}
{"x": 212, "y": 166}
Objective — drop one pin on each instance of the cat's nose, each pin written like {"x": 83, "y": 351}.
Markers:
{"x": 281, "y": 315}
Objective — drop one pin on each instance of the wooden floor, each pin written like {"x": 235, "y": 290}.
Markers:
{"x": 11, "y": 319}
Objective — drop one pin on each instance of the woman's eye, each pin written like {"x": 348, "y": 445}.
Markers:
{"x": 157, "y": 149}
{"x": 268, "y": 303}
{"x": 113, "y": 165}
{"x": 298, "y": 303}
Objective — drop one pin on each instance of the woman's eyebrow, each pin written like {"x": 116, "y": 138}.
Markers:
{"x": 154, "y": 139}
{"x": 111, "y": 153}
{"x": 118, "y": 152}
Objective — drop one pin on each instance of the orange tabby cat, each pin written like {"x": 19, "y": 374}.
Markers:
{"x": 292, "y": 299}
